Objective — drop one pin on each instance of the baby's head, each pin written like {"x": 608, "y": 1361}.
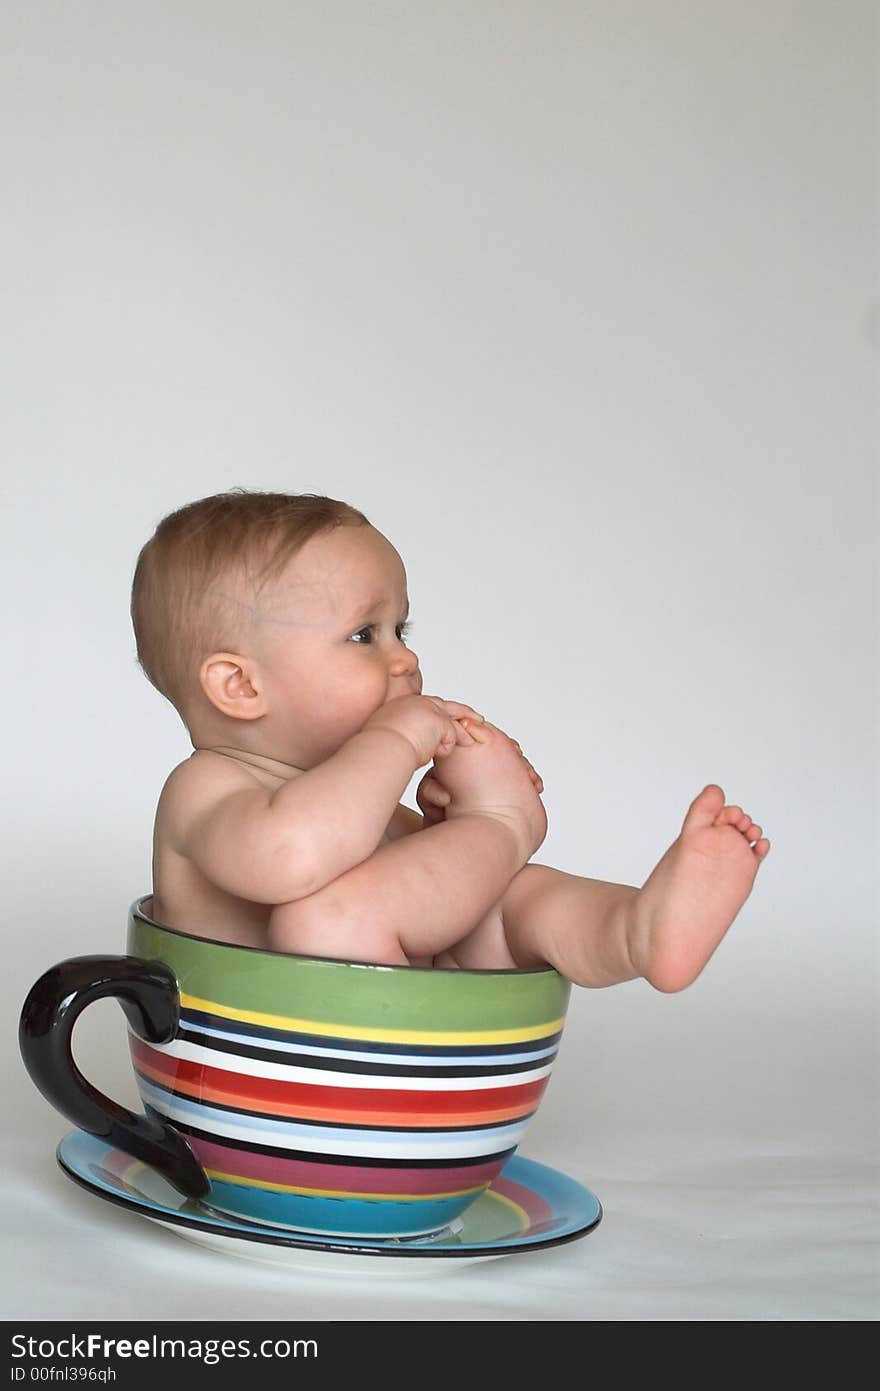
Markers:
{"x": 273, "y": 622}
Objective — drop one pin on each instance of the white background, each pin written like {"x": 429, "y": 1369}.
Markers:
{"x": 578, "y": 303}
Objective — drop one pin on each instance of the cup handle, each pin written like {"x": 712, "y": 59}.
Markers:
{"x": 148, "y": 994}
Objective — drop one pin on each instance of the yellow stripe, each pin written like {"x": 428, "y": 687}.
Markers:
{"x": 337, "y": 1193}
{"x": 521, "y": 1214}
{"x": 316, "y": 1026}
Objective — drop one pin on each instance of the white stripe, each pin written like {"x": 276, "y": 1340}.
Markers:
{"x": 282, "y": 1072}
{"x": 368, "y": 1144}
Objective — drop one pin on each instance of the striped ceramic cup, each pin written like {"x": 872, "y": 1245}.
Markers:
{"x": 324, "y": 1096}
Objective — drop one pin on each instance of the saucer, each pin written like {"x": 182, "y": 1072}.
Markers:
{"x": 528, "y": 1207}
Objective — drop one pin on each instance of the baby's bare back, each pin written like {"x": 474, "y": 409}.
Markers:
{"x": 183, "y": 897}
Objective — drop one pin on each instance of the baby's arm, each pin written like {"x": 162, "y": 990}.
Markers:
{"x": 272, "y": 847}
{"x": 404, "y": 822}
{"x": 416, "y": 897}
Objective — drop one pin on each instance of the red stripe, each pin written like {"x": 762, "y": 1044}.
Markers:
{"x": 342, "y": 1178}
{"x": 532, "y": 1204}
{"x": 266, "y": 1093}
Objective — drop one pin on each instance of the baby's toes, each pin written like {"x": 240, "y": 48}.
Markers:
{"x": 730, "y": 816}
{"x": 477, "y": 732}
{"x": 433, "y": 792}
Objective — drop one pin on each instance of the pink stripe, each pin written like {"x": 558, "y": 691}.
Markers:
{"x": 532, "y": 1204}
{"x": 341, "y": 1178}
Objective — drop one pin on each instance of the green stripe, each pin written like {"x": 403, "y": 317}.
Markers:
{"x": 391, "y": 997}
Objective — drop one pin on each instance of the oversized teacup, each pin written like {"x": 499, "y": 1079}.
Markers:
{"x": 320, "y": 1095}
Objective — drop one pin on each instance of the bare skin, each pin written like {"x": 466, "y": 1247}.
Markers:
{"x": 287, "y": 787}
{"x": 594, "y": 933}
{"x": 665, "y": 932}
{"x": 285, "y": 830}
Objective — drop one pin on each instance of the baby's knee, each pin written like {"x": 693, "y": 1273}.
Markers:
{"x": 326, "y": 925}
{"x": 293, "y": 926}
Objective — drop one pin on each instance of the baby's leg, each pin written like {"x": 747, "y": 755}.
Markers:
{"x": 322, "y": 926}
{"x": 407, "y": 902}
{"x": 596, "y": 933}
{"x": 484, "y": 948}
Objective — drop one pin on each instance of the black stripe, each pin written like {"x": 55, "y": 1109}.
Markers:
{"x": 327, "y": 1125}
{"x": 355, "y": 1065}
{"x": 351, "y": 1160}
{"x": 189, "y": 1017}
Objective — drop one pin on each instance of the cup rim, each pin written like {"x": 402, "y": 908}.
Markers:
{"x": 137, "y": 912}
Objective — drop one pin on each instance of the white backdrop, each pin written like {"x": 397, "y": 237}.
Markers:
{"x": 578, "y": 303}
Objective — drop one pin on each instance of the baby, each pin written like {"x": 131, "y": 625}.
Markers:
{"x": 276, "y": 625}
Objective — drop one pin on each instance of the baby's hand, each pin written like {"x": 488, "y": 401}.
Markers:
{"x": 431, "y": 726}
{"x": 491, "y": 778}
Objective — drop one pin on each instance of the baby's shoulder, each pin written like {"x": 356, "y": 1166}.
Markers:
{"x": 206, "y": 770}
{"x": 193, "y": 787}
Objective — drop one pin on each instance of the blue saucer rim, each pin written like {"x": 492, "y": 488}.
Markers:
{"x": 315, "y": 1243}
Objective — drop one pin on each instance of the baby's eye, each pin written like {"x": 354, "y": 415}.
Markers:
{"x": 402, "y": 630}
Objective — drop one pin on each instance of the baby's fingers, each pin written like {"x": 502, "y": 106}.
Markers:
{"x": 477, "y": 731}
{"x": 463, "y": 735}
{"x": 456, "y": 710}
{"x": 432, "y": 792}
{"x": 454, "y": 736}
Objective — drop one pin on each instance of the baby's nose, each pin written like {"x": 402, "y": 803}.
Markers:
{"x": 404, "y": 661}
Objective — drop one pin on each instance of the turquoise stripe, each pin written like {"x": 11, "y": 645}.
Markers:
{"x": 356, "y": 1218}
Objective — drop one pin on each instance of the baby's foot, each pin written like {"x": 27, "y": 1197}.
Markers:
{"x": 433, "y": 798}
{"x": 692, "y": 897}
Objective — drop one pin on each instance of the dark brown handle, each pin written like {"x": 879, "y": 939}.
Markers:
{"x": 147, "y": 992}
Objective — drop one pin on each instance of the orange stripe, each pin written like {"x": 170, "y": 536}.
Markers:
{"x": 430, "y": 1120}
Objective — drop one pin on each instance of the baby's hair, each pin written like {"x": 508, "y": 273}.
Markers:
{"x": 178, "y": 614}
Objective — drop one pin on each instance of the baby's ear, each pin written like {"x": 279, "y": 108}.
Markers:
{"x": 233, "y": 685}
